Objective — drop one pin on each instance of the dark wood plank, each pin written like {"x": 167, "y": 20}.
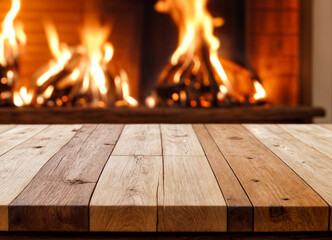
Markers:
{"x": 253, "y": 114}
{"x": 282, "y": 200}
{"x": 165, "y": 236}
{"x": 57, "y": 199}
{"x": 311, "y": 165}
{"x": 19, "y": 165}
{"x": 239, "y": 208}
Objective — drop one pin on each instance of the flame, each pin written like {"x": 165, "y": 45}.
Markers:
{"x": 196, "y": 26}
{"x": 260, "y": 92}
{"x": 22, "y": 97}
{"x": 12, "y": 35}
{"x": 196, "y": 64}
{"x": 89, "y": 72}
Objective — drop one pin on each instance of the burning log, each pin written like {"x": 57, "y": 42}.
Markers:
{"x": 12, "y": 38}
{"x": 196, "y": 75}
{"x": 81, "y": 75}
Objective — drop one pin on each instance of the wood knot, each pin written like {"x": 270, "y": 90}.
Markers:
{"x": 250, "y": 158}
{"x": 107, "y": 144}
{"x": 37, "y": 146}
{"x": 235, "y": 138}
{"x": 75, "y": 181}
{"x": 285, "y": 199}
{"x": 254, "y": 180}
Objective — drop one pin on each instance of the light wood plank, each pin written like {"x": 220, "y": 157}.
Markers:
{"x": 4, "y": 128}
{"x": 125, "y": 198}
{"x": 192, "y": 200}
{"x": 328, "y": 126}
{"x": 57, "y": 199}
{"x": 282, "y": 201}
{"x": 180, "y": 140}
{"x": 139, "y": 139}
{"x": 311, "y": 165}
{"x": 21, "y": 164}
{"x": 313, "y": 135}
{"x": 239, "y": 208}
{"x": 15, "y": 136}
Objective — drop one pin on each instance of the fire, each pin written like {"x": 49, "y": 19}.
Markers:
{"x": 12, "y": 39}
{"x": 83, "y": 74}
{"x": 12, "y": 36}
{"x": 196, "y": 69}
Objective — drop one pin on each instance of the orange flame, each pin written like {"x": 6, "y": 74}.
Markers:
{"x": 12, "y": 35}
{"x": 89, "y": 73}
{"x": 196, "y": 60}
{"x": 196, "y": 26}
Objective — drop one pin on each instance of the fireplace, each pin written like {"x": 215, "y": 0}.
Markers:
{"x": 261, "y": 45}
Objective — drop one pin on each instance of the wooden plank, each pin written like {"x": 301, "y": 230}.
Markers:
{"x": 282, "y": 201}
{"x": 313, "y": 135}
{"x": 125, "y": 198}
{"x": 57, "y": 199}
{"x": 140, "y": 139}
{"x": 21, "y": 164}
{"x": 4, "y": 128}
{"x": 14, "y": 137}
{"x": 328, "y": 126}
{"x": 239, "y": 208}
{"x": 311, "y": 165}
{"x": 180, "y": 140}
{"x": 251, "y": 114}
{"x": 192, "y": 200}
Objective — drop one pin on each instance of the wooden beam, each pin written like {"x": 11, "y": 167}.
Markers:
{"x": 282, "y": 201}
{"x": 311, "y": 165}
{"x": 253, "y": 114}
{"x": 22, "y": 163}
{"x": 57, "y": 199}
{"x": 239, "y": 207}
{"x": 125, "y": 198}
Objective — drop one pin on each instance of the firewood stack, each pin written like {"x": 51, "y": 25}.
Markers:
{"x": 197, "y": 76}
{"x": 82, "y": 75}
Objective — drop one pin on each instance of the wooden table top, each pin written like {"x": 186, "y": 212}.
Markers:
{"x": 166, "y": 177}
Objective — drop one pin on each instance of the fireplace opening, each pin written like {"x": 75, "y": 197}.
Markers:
{"x": 162, "y": 53}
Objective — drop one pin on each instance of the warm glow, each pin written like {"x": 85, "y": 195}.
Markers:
{"x": 12, "y": 36}
{"x": 83, "y": 69}
{"x": 22, "y": 97}
{"x": 196, "y": 26}
{"x": 150, "y": 102}
{"x": 196, "y": 67}
{"x": 260, "y": 92}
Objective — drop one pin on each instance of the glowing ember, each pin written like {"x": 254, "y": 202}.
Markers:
{"x": 196, "y": 75}
{"x": 12, "y": 38}
{"x": 82, "y": 75}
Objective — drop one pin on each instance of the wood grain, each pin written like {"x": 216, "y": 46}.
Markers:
{"x": 311, "y": 165}
{"x": 4, "y": 128}
{"x": 282, "y": 201}
{"x": 239, "y": 208}
{"x": 17, "y": 135}
{"x": 21, "y": 164}
{"x": 328, "y": 126}
{"x": 125, "y": 198}
{"x": 57, "y": 199}
{"x": 180, "y": 140}
{"x": 313, "y": 135}
{"x": 140, "y": 139}
{"x": 192, "y": 200}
